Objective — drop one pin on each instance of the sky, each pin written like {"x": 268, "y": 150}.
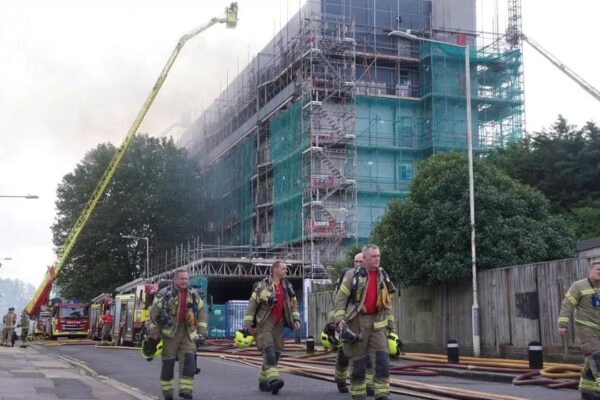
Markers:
{"x": 74, "y": 73}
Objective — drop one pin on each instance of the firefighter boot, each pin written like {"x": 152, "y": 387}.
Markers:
{"x": 590, "y": 396}
{"x": 186, "y": 395}
{"x": 276, "y": 385}
{"x": 342, "y": 387}
{"x": 264, "y": 386}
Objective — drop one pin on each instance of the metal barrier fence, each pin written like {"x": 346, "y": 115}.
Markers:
{"x": 234, "y": 319}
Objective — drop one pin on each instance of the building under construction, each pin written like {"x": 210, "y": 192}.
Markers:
{"x": 306, "y": 146}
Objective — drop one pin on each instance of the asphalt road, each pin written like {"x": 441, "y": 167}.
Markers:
{"x": 224, "y": 380}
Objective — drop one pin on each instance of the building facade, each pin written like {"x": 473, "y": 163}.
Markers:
{"x": 304, "y": 149}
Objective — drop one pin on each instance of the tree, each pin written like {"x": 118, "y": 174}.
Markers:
{"x": 564, "y": 164}
{"x": 154, "y": 193}
{"x": 425, "y": 238}
{"x": 585, "y": 219}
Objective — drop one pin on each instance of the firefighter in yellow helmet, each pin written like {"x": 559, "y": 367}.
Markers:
{"x": 178, "y": 316}
{"x": 341, "y": 360}
{"x": 363, "y": 305}
{"x": 583, "y": 297}
{"x": 272, "y": 307}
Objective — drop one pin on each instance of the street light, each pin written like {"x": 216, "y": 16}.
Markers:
{"x": 5, "y": 259}
{"x": 147, "y": 251}
{"x": 475, "y": 307}
{"x": 27, "y": 196}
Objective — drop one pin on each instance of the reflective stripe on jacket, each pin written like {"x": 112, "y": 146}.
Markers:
{"x": 579, "y": 300}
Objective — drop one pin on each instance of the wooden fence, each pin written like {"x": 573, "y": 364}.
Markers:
{"x": 517, "y": 305}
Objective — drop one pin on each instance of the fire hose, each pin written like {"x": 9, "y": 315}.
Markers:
{"x": 554, "y": 376}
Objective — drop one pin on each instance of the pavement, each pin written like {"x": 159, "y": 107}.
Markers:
{"x": 35, "y": 374}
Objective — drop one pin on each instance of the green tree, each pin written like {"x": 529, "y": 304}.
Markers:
{"x": 585, "y": 219}
{"x": 425, "y": 238}
{"x": 154, "y": 193}
{"x": 563, "y": 163}
{"x": 337, "y": 267}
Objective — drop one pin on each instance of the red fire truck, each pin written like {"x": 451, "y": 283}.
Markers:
{"x": 66, "y": 319}
{"x": 100, "y": 304}
{"x": 130, "y": 313}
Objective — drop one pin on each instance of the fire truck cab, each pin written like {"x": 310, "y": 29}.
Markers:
{"x": 68, "y": 319}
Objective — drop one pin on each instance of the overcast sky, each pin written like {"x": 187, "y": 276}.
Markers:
{"x": 74, "y": 73}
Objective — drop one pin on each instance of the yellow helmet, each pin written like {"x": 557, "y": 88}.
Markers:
{"x": 151, "y": 348}
{"x": 243, "y": 339}
{"x": 394, "y": 345}
{"x": 328, "y": 340}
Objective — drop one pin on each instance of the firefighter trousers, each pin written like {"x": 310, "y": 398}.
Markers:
{"x": 342, "y": 362}
{"x": 7, "y": 334}
{"x": 589, "y": 340}
{"x": 371, "y": 350}
{"x": 269, "y": 340}
{"x": 181, "y": 348}
{"x": 105, "y": 335}
{"x": 24, "y": 333}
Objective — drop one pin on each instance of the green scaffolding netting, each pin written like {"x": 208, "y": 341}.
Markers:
{"x": 228, "y": 196}
{"x": 287, "y": 141}
{"x": 496, "y": 97}
{"x": 387, "y": 146}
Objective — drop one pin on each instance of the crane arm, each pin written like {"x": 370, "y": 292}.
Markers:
{"x": 35, "y": 302}
{"x": 558, "y": 64}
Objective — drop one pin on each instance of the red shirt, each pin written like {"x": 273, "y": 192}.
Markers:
{"x": 371, "y": 295}
{"x": 106, "y": 319}
{"x": 277, "y": 310}
{"x": 182, "y": 306}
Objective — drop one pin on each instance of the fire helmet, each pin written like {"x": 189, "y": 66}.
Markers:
{"x": 394, "y": 345}
{"x": 243, "y": 339}
{"x": 329, "y": 341}
{"x": 151, "y": 348}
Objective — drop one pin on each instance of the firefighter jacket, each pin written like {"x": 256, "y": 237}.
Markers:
{"x": 261, "y": 303}
{"x": 579, "y": 298}
{"x": 9, "y": 320}
{"x": 163, "y": 314}
{"x": 350, "y": 298}
{"x": 24, "y": 323}
{"x": 336, "y": 289}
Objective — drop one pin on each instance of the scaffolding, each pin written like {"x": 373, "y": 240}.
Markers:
{"x": 304, "y": 149}
{"x": 496, "y": 92}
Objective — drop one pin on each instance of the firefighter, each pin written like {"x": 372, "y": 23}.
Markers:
{"x": 363, "y": 315}
{"x": 584, "y": 297}
{"x": 178, "y": 317}
{"x": 341, "y": 360}
{"x": 106, "y": 320}
{"x": 272, "y": 306}
{"x": 10, "y": 321}
{"x": 24, "y": 324}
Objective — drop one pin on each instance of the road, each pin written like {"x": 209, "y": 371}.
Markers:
{"x": 225, "y": 380}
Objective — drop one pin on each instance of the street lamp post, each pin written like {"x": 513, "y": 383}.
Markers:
{"x": 147, "y": 251}
{"x": 475, "y": 307}
{"x": 27, "y": 196}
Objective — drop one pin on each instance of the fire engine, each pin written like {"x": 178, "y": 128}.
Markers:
{"x": 130, "y": 312}
{"x": 100, "y": 304}
{"x": 65, "y": 319}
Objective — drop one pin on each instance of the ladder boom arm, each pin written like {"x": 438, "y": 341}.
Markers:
{"x": 35, "y": 302}
{"x": 558, "y": 64}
